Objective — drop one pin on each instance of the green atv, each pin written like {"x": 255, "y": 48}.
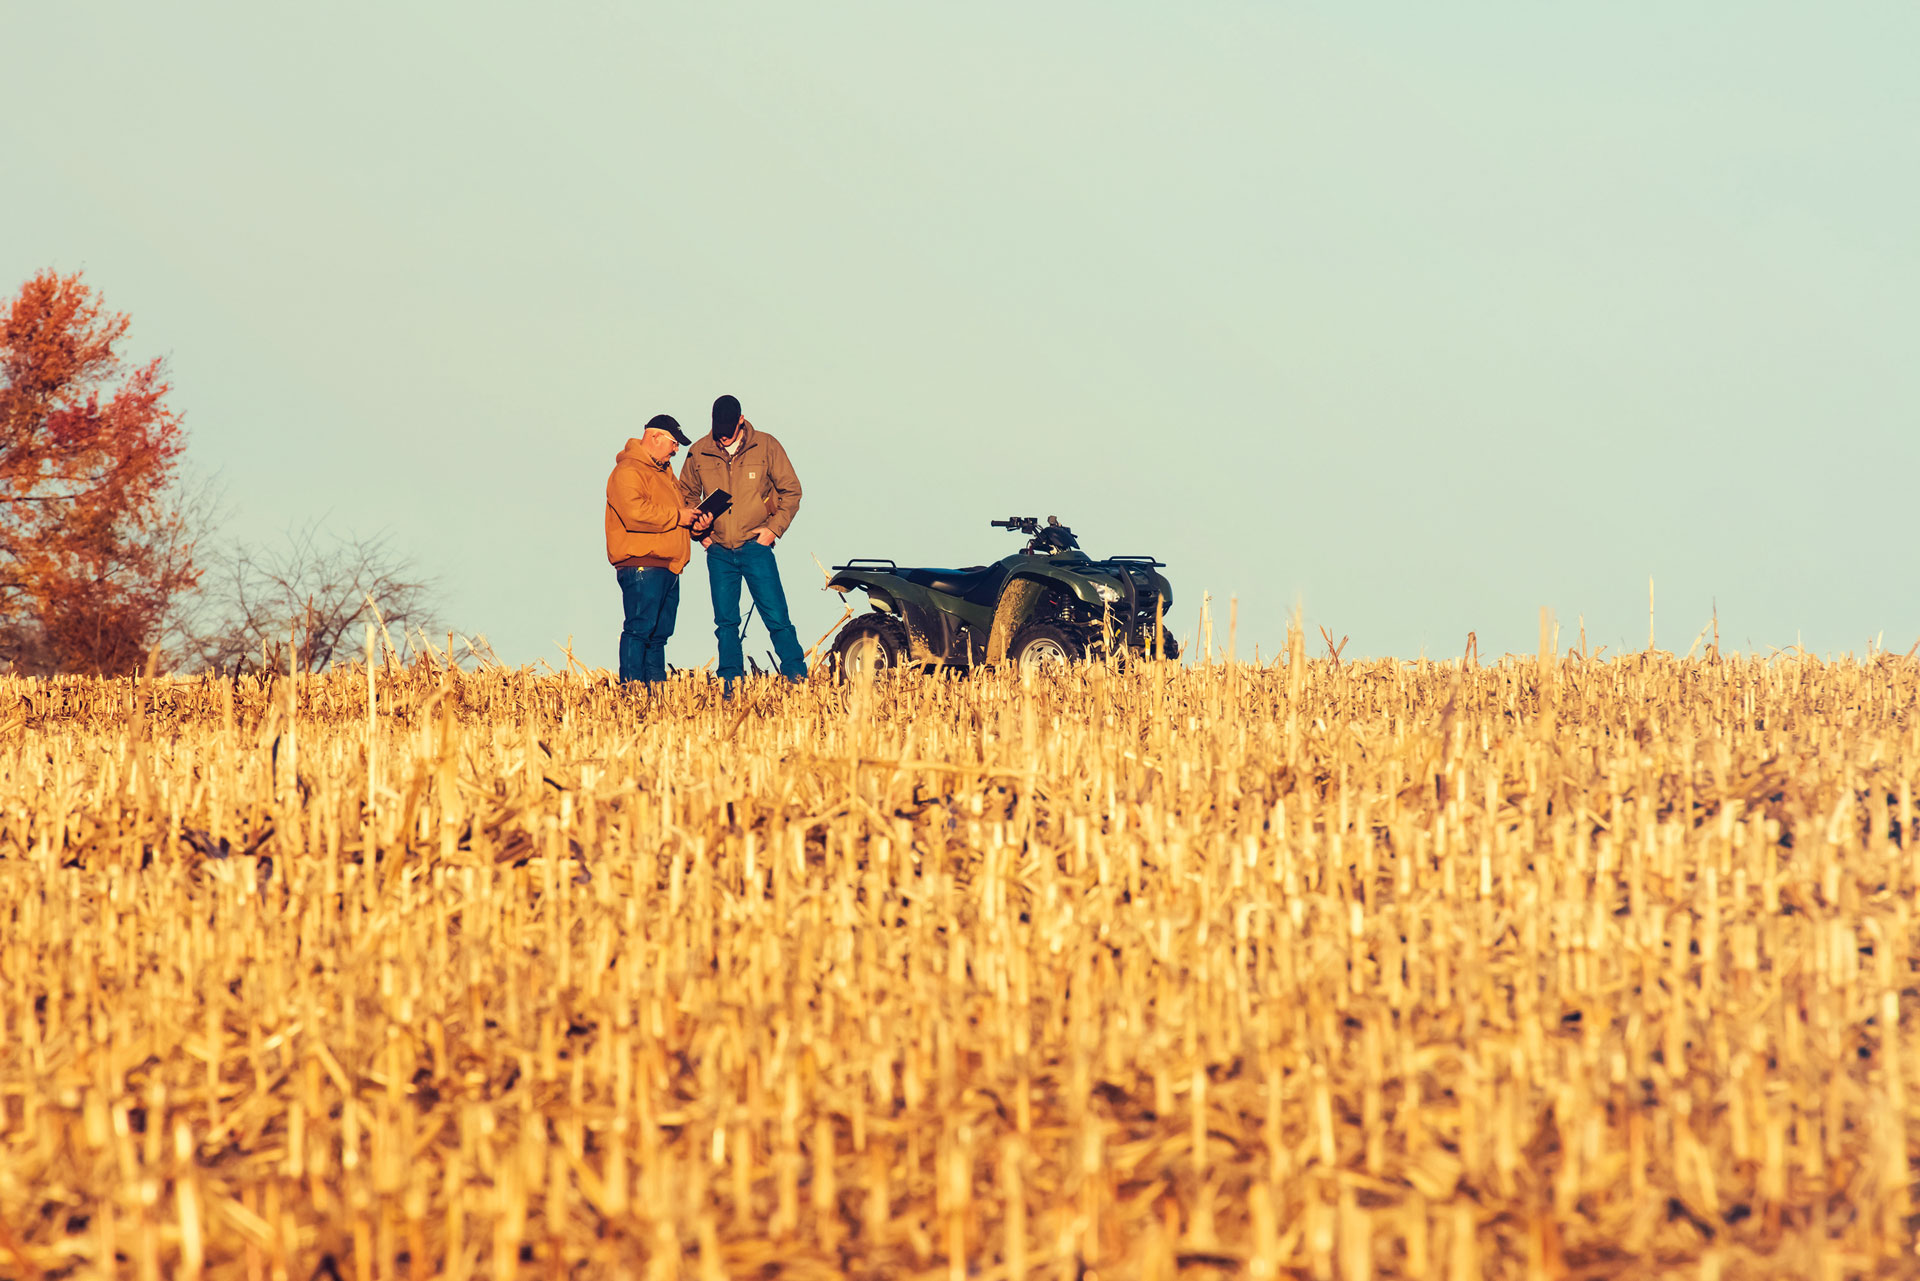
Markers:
{"x": 1049, "y": 603}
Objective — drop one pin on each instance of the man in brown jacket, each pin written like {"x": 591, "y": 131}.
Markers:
{"x": 752, "y": 467}
{"x": 648, "y": 545}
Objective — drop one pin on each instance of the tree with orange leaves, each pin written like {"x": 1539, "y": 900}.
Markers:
{"x": 93, "y": 548}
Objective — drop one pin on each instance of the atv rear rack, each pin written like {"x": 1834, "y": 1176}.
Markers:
{"x": 868, "y": 562}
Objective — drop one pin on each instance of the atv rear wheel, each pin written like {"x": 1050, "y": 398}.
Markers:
{"x": 871, "y": 643}
{"x": 1043, "y": 647}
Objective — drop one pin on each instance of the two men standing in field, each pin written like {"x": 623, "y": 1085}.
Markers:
{"x": 651, "y": 522}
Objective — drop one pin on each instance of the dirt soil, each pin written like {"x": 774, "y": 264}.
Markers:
{"x": 1016, "y": 607}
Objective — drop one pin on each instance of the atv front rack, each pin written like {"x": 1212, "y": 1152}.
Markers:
{"x": 868, "y": 562}
{"x": 1148, "y": 561}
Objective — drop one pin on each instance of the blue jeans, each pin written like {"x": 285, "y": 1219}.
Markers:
{"x": 753, "y": 564}
{"x": 651, "y": 597}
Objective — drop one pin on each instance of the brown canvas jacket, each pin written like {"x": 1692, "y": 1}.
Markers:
{"x": 766, "y": 492}
{"x": 643, "y": 513}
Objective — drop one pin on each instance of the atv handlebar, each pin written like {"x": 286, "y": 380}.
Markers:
{"x": 1054, "y": 538}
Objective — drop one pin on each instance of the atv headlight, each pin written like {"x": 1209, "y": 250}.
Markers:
{"x": 1107, "y": 594}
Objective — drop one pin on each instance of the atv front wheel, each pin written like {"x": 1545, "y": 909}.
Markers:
{"x": 871, "y": 643}
{"x": 1044, "y": 647}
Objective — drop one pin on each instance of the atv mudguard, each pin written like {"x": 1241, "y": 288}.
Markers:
{"x": 1090, "y": 585}
{"x": 899, "y": 592}
{"x": 874, "y": 582}
{"x": 933, "y": 618}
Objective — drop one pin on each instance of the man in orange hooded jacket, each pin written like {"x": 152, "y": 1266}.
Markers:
{"x": 648, "y": 545}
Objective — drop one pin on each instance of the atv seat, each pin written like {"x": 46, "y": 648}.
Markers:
{"x": 976, "y": 584}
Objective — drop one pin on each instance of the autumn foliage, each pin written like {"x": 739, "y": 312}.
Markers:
{"x": 92, "y": 550}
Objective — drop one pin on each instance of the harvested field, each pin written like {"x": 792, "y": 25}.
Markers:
{"x": 1562, "y": 969}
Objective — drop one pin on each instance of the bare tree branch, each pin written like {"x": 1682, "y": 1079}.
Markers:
{"x": 312, "y": 591}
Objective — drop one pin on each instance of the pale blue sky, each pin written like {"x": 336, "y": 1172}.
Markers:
{"x": 1426, "y": 315}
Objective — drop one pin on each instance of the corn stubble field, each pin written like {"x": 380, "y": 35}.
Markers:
{"x": 1544, "y": 969}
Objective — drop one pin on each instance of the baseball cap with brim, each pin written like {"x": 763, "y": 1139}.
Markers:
{"x": 668, "y": 424}
{"x": 726, "y": 416}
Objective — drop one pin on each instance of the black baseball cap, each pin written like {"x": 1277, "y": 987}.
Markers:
{"x": 726, "y": 416}
{"x": 668, "y": 424}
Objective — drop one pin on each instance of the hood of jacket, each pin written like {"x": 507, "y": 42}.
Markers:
{"x": 634, "y": 453}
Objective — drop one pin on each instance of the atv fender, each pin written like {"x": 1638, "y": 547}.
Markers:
{"x": 1090, "y": 588}
{"x": 876, "y": 591}
{"x": 907, "y": 603}
{"x": 1017, "y": 601}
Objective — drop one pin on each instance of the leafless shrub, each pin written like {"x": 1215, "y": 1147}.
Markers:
{"x": 313, "y": 591}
